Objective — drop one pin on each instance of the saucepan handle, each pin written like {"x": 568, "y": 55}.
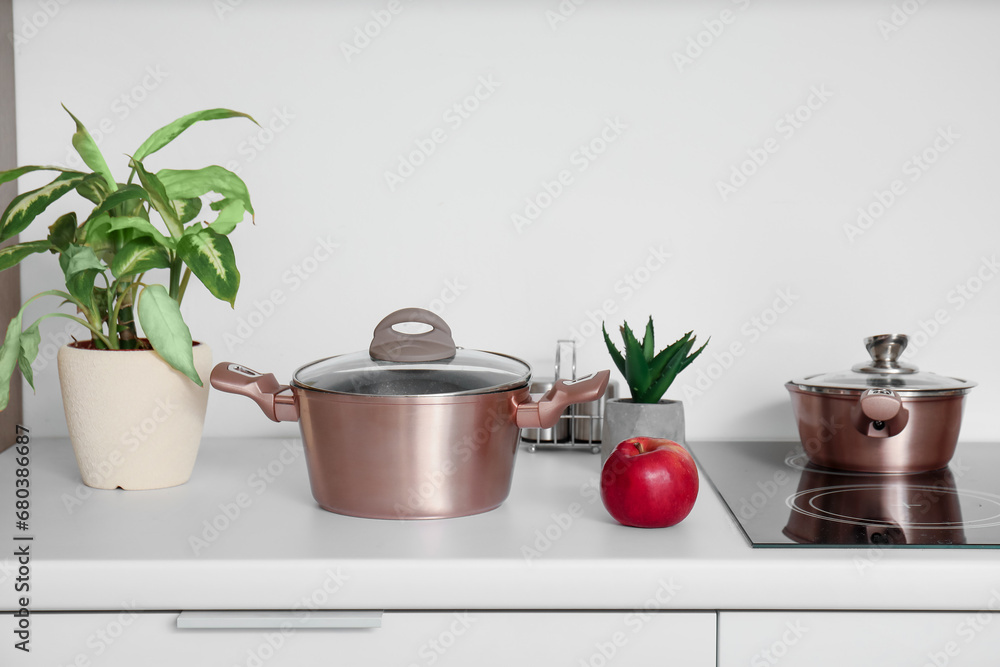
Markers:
{"x": 544, "y": 411}
{"x": 880, "y": 404}
{"x": 274, "y": 399}
{"x": 879, "y": 413}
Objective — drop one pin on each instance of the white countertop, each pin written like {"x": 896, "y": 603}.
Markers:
{"x": 550, "y": 546}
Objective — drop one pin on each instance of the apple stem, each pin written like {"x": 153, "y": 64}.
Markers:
{"x": 638, "y": 447}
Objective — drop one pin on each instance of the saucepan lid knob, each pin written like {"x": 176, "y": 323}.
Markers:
{"x": 885, "y": 351}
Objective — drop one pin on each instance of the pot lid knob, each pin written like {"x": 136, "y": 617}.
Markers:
{"x": 435, "y": 344}
{"x": 885, "y": 351}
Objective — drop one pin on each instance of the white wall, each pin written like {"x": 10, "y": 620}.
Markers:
{"x": 880, "y": 95}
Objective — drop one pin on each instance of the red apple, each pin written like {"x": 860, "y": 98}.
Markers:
{"x": 649, "y": 483}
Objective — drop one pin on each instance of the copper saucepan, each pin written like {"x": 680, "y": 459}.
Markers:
{"x": 881, "y": 416}
{"x": 413, "y": 427}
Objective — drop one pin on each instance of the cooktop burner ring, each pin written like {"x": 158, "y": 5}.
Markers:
{"x": 810, "y": 496}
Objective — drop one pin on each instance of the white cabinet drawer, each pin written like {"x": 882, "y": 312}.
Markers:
{"x": 819, "y": 639}
{"x": 404, "y": 639}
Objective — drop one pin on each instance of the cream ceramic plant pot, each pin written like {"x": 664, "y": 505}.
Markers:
{"x": 134, "y": 422}
{"x": 624, "y": 419}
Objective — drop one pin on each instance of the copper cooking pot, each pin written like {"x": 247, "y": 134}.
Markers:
{"x": 414, "y": 427}
{"x": 881, "y": 416}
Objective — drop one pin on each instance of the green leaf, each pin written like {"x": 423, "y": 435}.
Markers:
{"x": 647, "y": 341}
{"x": 144, "y": 227}
{"x": 638, "y": 377}
{"x": 125, "y": 193}
{"x": 13, "y": 254}
{"x": 158, "y": 197}
{"x": 187, "y": 183}
{"x": 81, "y": 258}
{"x": 613, "y": 351}
{"x": 11, "y": 174}
{"x": 91, "y": 154}
{"x": 96, "y": 233}
{"x": 661, "y": 360}
{"x": 30, "y": 339}
{"x": 169, "y": 132}
{"x": 93, "y": 189}
{"x": 161, "y": 321}
{"x": 692, "y": 357}
{"x": 63, "y": 231}
{"x": 230, "y": 214}
{"x": 80, "y": 266}
{"x": 101, "y": 297}
{"x": 26, "y": 207}
{"x": 212, "y": 260}
{"x": 187, "y": 209}
{"x": 655, "y": 392}
{"x": 9, "y": 354}
{"x": 138, "y": 256}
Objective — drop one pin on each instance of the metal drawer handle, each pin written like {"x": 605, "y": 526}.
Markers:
{"x": 277, "y": 620}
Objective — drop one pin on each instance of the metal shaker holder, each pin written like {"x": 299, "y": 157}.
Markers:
{"x": 579, "y": 426}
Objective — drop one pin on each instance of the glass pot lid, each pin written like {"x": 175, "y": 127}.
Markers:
{"x": 885, "y": 370}
{"x": 426, "y": 363}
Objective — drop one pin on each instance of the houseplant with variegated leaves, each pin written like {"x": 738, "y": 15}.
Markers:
{"x": 131, "y": 257}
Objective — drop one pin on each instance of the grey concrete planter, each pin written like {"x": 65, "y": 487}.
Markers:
{"x": 624, "y": 419}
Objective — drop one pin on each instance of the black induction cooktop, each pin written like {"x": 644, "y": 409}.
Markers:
{"x": 780, "y": 499}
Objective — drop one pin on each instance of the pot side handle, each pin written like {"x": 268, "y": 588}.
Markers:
{"x": 880, "y": 404}
{"x": 879, "y": 413}
{"x": 544, "y": 411}
{"x": 262, "y": 389}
